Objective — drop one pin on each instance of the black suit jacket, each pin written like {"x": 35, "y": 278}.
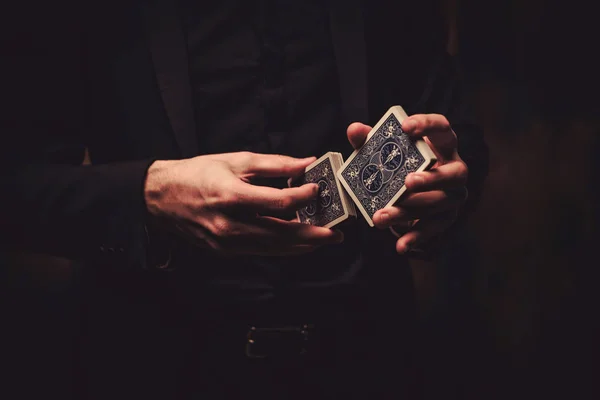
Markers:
{"x": 112, "y": 78}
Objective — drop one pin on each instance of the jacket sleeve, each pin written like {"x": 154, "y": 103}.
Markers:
{"x": 445, "y": 93}
{"x": 78, "y": 212}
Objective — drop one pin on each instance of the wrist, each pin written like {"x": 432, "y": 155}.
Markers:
{"x": 158, "y": 239}
{"x": 156, "y": 186}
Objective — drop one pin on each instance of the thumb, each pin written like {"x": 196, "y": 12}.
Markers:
{"x": 275, "y": 165}
{"x": 357, "y": 134}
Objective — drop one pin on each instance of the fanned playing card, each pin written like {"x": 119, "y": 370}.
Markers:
{"x": 374, "y": 175}
{"x": 332, "y": 205}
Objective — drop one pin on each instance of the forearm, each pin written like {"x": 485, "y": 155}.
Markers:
{"x": 79, "y": 212}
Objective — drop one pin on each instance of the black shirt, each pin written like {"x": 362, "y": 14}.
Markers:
{"x": 264, "y": 80}
{"x": 263, "y": 76}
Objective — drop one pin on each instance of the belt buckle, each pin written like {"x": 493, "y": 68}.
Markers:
{"x": 277, "y": 342}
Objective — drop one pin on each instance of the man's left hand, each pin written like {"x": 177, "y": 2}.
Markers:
{"x": 433, "y": 198}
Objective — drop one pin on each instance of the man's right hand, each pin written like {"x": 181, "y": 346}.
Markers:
{"x": 210, "y": 200}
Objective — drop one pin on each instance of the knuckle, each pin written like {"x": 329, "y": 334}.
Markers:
{"x": 277, "y": 204}
{"x": 226, "y": 199}
{"x": 419, "y": 124}
{"x": 284, "y": 202}
{"x": 246, "y": 157}
{"x": 433, "y": 121}
{"x": 223, "y": 200}
{"x": 442, "y": 121}
{"x": 231, "y": 198}
{"x": 428, "y": 121}
{"x": 216, "y": 193}
{"x": 221, "y": 228}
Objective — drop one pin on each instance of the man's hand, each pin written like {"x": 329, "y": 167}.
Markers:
{"x": 433, "y": 198}
{"x": 210, "y": 200}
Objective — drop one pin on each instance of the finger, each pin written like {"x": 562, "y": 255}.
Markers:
{"x": 263, "y": 235}
{"x": 431, "y": 199}
{"x": 452, "y": 175}
{"x": 272, "y": 165}
{"x": 429, "y": 203}
{"x": 198, "y": 235}
{"x": 436, "y": 128}
{"x": 264, "y": 199}
{"x": 287, "y": 234}
{"x": 357, "y": 134}
{"x": 270, "y": 236}
{"x": 391, "y": 216}
{"x": 424, "y": 230}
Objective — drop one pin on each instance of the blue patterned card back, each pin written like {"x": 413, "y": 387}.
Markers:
{"x": 328, "y": 206}
{"x": 376, "y": 173}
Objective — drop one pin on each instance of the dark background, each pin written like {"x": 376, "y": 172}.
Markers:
{"x": 517, "y": 319}
{"x": 510, "y": 311}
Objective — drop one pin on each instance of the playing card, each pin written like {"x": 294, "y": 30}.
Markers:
{"x": 374, "y": 175}
{"x": 332, "y": 205}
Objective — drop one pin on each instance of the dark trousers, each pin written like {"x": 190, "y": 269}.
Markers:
{"x": 351, "y": 355}
{"x": 360, "y": 346}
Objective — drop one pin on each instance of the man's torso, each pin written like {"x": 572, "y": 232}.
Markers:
{"x": 264, "y": 78}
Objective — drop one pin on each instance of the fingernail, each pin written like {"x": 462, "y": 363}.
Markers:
{"x": 384, "y": 217}
{"x": 307, "y": 159}
{"x": 408, "y": 124}
{"x": 417, "y": 179}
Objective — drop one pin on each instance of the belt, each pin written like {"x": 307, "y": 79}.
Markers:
{"x": 267, "y": 333}
{"x": 289, "y": 341}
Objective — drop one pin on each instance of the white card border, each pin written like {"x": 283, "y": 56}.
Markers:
{"x": 421, "y": 145}
{"x": 346, "y": 215}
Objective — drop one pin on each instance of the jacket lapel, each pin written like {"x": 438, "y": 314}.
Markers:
{"x": 348, "y": 35}
{"x": 169, "y": 56}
